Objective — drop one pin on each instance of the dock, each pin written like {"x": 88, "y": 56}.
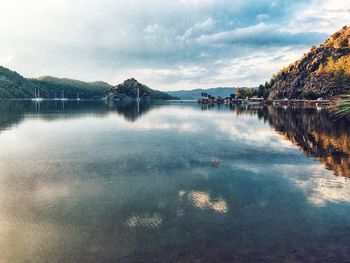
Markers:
{"x": 291, "y": 102}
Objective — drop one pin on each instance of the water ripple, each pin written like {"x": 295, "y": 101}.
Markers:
{"x": 145, "y": 220}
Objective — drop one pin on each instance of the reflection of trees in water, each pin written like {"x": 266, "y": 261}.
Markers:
{"x": 316, "y": 133}
{"x": 131, "y": 110}
{"x": 13, "y": 112}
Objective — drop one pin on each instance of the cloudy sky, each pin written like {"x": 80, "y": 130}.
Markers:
{"x": 166, "y": 44}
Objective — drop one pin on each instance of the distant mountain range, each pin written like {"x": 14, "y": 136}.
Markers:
{"x": 196, "y": 93}
{"x": 322, "y": 72}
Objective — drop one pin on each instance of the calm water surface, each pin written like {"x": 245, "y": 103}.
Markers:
{"x": 89, "y": 182}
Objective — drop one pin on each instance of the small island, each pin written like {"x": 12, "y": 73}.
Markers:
{"x": 131, "y": 89}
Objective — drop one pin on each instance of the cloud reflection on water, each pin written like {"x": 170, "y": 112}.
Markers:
{"x": 95, "y": 182}
{"x": 319, "y": 186}
{"x": 203, "y": 200}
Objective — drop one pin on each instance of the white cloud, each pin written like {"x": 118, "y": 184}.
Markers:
{"x": 236, "y": 34}
{"x": 205, "y": 24}
{"x": 322, "y": 16}
{"x": 104, "y": 40}
{"x": 262, "y": 16}
{"x": 151, "y": 28}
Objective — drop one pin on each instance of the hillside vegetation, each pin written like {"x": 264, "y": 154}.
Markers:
{"x": 323, "y": 72}
{"x": 51, "y": 87}
{"x": 128, "y": 90}
{"x": 15, "y": 86}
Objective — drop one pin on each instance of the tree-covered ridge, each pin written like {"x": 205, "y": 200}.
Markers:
{"x": 322, "y": 72}
{"x": 15, "y": 86}
{"x": 51, "y": 87}
{"x": 129, "y": 88}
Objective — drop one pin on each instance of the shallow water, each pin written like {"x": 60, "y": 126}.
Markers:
{"x": 89, "y": 182}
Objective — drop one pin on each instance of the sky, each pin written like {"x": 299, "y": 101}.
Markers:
{"x": 165, "y": 44}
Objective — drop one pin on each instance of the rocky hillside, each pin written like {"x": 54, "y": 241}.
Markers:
{"x": 128, "y": 91}
{"x": 323, "y": 72}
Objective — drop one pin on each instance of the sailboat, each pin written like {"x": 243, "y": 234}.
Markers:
{"x": 56, "y": 98}
{"x": 63, "y": 98}
{"x": 78, "y": 96}
{"x": 138, "y": 95}
{"x": 37, "y": 96}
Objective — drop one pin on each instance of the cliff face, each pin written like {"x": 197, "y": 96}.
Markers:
{"x": 323, "y": 72}
{"x": 128, "y": 91}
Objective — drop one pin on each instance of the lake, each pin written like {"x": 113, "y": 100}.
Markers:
{"x": 172, "y": 182}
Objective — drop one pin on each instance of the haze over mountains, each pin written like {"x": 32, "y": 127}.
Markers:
{"x": 196, "y": 93}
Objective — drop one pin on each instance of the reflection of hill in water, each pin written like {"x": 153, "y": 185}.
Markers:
{"x": 316, "y": 133}
{"x": 10, "y": 114}
{"x": 13, "y": 112}
{"x": 131, "y": 110}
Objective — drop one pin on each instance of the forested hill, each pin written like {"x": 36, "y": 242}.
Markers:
{"x": 128, "y": 91}
{"x": 322, "y": 72}
{"x": 15, "y": 86}
{"x": 86, "y": 90}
